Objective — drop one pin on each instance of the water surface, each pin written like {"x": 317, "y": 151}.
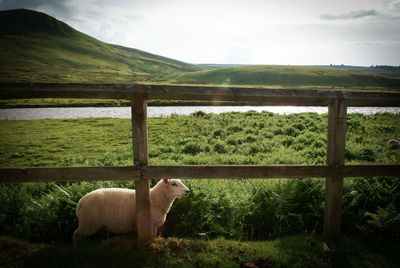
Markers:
{"x": 154, "y": 111}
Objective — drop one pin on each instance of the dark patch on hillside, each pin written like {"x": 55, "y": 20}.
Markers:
{"x": 23, "y": 21}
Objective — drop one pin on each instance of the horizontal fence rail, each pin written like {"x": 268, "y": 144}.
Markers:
{"x": 334, "y": 171}
{"x": 251, "y": 95}
{"x": 157, "y": 172}
{"x": 46, "y": 174}
{"x": 267, "y": 171}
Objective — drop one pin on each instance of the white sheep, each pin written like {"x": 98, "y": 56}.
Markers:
{"x": 115, "y": 208}
{"x": 393, "y": 144}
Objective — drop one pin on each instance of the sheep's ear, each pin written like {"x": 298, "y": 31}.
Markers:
{"x": 166, "y": 180}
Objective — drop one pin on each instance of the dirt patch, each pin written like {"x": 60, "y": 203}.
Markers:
{"x": 259, "y": 262}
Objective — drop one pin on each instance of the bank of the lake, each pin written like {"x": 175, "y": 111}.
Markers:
{"x": 164, "y": 111}
{"x": 60, "y": 102}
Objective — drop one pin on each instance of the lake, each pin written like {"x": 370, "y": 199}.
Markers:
{"x": 154, "y": 111}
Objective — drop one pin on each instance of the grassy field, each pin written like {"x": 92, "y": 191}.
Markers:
{"x": 229, "y": 138}
{"x": 307, "y": 250}
{"x": 390, "y": 71}
{"x": 287, "y": 76}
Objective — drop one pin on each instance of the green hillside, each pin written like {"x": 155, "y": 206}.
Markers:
{"x": 35, "y": 47}
{"x": 386, "y": 70}
{"x": 287, "y": 76}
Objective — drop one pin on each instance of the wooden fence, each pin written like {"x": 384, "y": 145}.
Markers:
{"x": 334, "y": 171}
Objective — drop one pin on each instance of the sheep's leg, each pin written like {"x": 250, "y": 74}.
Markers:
{"x": 154, "y": 231}
{"x": 77, "y": 238}
{"x": 85, "y": 230}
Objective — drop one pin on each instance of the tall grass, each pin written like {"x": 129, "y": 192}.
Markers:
{"x": 239, "y": 209}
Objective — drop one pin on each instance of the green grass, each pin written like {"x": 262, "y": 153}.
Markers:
{"x": 287, "y": 76}
{"x": 296, "y": 251}
{"x": 59, "y": 145}
{"x": 228, "y": 138}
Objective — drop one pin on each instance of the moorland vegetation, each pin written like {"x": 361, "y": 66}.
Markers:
{"x": 239, "y": 209}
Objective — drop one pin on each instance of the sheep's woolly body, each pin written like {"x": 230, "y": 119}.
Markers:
{"x": 115, "y": 209}
{"x": 107, "y": 208}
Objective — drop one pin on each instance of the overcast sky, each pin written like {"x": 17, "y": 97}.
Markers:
{"x": 306, "y": 32}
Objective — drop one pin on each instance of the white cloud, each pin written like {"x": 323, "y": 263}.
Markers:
{"x": 351, "y": 15}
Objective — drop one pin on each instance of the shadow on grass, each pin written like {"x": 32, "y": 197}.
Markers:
{"x": 306, "y": 250}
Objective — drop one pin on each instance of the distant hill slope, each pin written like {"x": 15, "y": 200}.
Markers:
{"x": 391, "y": 71}
{"x": 287, "y": 76}
{"x": 35, "y": 47}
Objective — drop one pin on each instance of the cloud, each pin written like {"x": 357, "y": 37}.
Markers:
{"x": 351, "y": 15}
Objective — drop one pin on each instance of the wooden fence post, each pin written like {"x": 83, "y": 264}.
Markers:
{"x": 139, "y": 135}
{"x": 337, "y": 112}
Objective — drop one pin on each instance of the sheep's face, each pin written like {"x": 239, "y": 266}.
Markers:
{"x": 176, "y": 187}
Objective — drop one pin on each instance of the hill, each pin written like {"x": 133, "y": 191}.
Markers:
{"x": 287, "y": 76}
{"x": 35, "y": 47}
{"x": 386, "y": 70}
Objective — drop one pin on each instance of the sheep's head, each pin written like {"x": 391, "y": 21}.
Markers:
{"x": 176, "y": 187}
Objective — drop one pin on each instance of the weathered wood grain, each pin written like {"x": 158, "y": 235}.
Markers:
{"x": 141, "y": 158}
{"x": 41, "y": 174}
{"x": 236, "y": 171}
{"x": 68, "y": 174}
{"x": 370, "y": 170}
{"x": 337, "y": 113}
{"x": 250, "y": 95}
